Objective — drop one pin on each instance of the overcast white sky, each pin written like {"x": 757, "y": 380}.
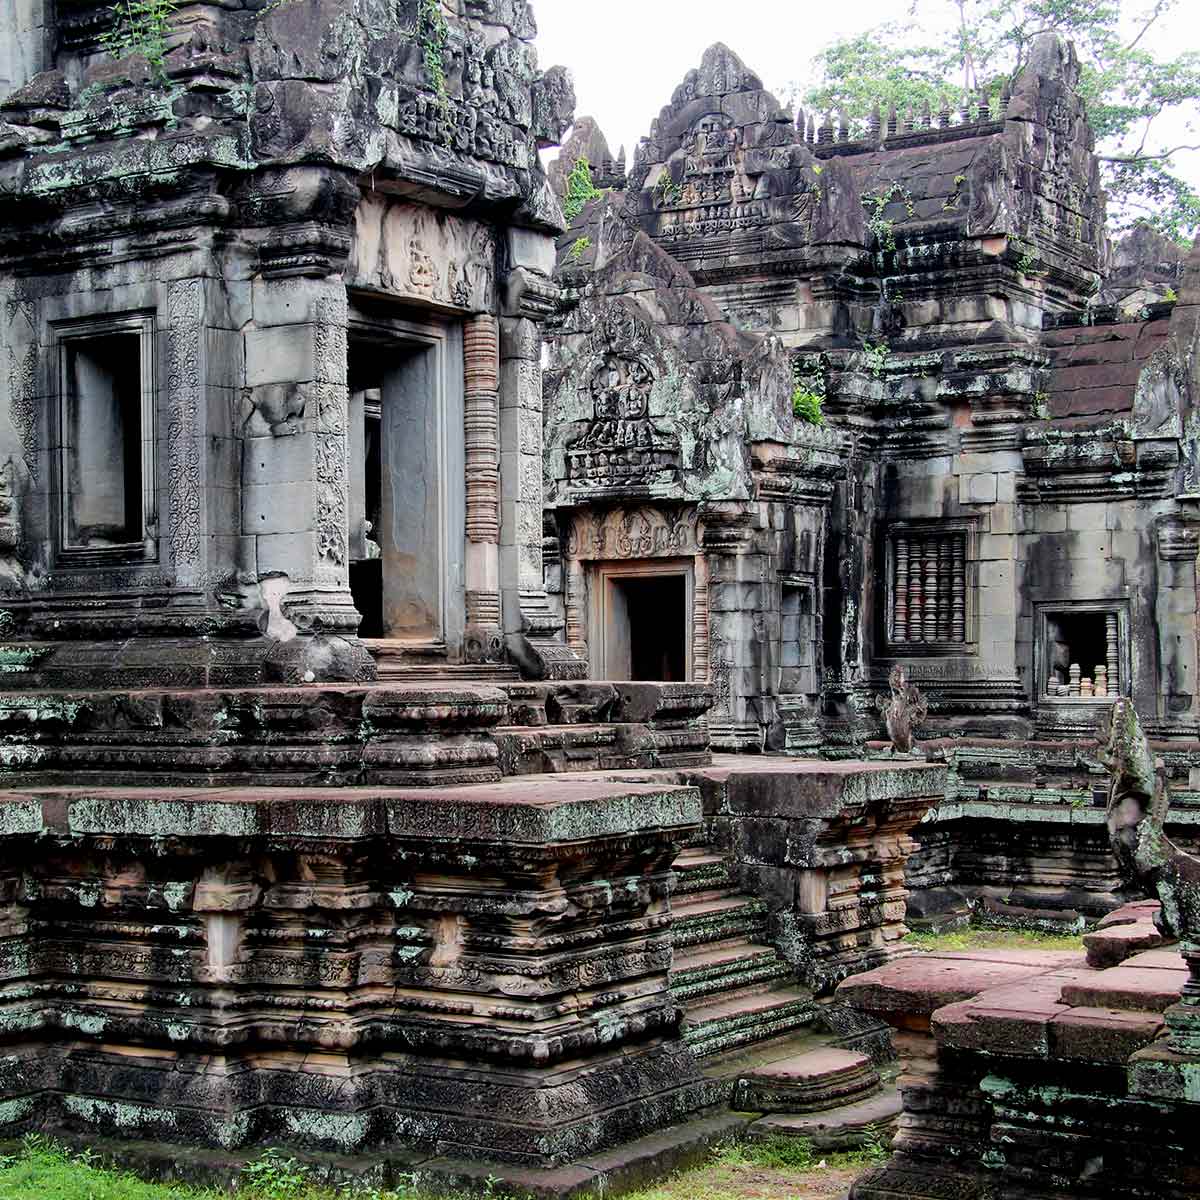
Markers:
{"x": 627, "y": 56}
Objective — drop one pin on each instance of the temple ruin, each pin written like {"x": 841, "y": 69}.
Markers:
{"x": 487, "y": 693}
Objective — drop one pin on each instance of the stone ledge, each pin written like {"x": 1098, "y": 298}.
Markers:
{"x": 525, "y": 811}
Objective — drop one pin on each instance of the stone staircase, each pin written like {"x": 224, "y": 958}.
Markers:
{"x": 734, "y": 987}
{"x": 760, "y": 1034}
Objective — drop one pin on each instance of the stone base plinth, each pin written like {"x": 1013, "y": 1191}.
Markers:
{"x": 480, "y": 973}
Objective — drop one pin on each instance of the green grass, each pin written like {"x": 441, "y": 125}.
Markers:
{"x": 777, "y": 1168}
{"x": 995, "y": 939}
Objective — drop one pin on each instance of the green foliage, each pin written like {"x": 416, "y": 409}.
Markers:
{"x": 973, "y": 938}
{"x": 140, "y": 27}
{"x": 580, "y": 247}
{"x": 1171, "y": 294}
{"x": 1028, "y": 262}
{"x": 1127, "y": 85}
{"x": 580, "y": 189}
{"x": 876, "y": 355}
{"x": 46, "y": 1171}
{"x": 876, "y": 1146}
{"x": 666, "y": 190}
{"x": 808, "y": 406}
{"x": 273, "y": 1177}
{"x": 433, "y": 34}
{"x": 880, "y": 226}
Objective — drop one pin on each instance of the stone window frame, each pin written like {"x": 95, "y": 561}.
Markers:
{"x": 144, "y": 324}
{"x": 1043, "y": 610}
{"x": 968, "y": 527}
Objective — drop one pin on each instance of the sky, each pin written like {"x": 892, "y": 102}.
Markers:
{"x": 628, "y": 56}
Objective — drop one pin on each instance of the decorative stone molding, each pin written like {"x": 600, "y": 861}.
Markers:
{"x": 185, "y": 322}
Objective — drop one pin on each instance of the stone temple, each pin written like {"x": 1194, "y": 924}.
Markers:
{"x": 445, "y": 643}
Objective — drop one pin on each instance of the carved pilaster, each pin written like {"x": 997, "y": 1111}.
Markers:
{"x": 1112, "y": 654}
{"x": 481, "y": 419}
{"x": 700, "y": 622}
{"x": 481, "y": 425}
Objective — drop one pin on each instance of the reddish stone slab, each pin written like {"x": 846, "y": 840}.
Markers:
{"x": 1128, "y": 914}
{"x": 1102, "y": 1034}
{"x": 1112, "y": 946}
{"x": 924, "y": 983}
{"x": 1148, "y": 989}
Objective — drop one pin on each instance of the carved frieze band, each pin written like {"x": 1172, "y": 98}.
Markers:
{"x": 185, "y": 314}
{"x": 481, "y": 355}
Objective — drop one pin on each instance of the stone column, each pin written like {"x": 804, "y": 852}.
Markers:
{"x": 532, "y": 629}
{"x": 481, "y": 421}
{"x": 734, "y": 585}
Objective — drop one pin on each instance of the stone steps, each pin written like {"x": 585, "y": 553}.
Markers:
{"x": 809, "y": 1082}
{"x": 844, "y": 1128}
{"x": 735, "y": 989}
{"x": 698, "y": 869}
{"x": 708, "y": 970}
{"x": 753, "y": 1026}
{"x": 704, "y": 918}
{"x": 743, "y": 1019}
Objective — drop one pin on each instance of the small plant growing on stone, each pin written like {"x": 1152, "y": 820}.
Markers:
{"x": 580, "y": 247}
{"x": 1170, "y": 295}
{"x": 433, "y": 34}
{"x": 808, "y": 406}
{"x": 666, "y": 190}
{"x": 140, "y": 27}
{"x": 580, "y": 189}
{"x": 882, "y": 228}
{"x": 876, "y": 354}
{"x": 273, "y": 1177}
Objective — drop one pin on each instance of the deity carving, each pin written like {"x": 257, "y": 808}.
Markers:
{"x": 904, "y": 711}
{"x": 621, "y": 445}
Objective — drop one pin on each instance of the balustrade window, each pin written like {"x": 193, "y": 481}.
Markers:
{"x": 928, "y": 602}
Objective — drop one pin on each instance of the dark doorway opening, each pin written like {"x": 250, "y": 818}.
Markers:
{"x": 366, "y": 372}
{"x": 656, "y": 608}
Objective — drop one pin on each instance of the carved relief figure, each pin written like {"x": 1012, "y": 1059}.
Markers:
{"x": 621, "y": 445}
{"x": 1136, "y": 813}
{"x": 903, "y": 711}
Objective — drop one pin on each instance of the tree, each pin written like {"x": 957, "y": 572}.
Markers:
{"x": 1131, "y": 91}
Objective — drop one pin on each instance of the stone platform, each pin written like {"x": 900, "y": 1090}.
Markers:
{"x": 1037, "y": 1089}
{"x": 479, "y": 974}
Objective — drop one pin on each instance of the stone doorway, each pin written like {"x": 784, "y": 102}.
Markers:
{"x": 643, "y": 617}
{"x": 402, "y": 557}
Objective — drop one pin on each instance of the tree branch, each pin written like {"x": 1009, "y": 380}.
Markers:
{"x": 1158, "y": 10}
{"x": 1134, "y": 159}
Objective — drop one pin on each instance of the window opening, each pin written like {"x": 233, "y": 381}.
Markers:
{"x": 1083, "y": 655}
{"x": 103, "y": 439}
